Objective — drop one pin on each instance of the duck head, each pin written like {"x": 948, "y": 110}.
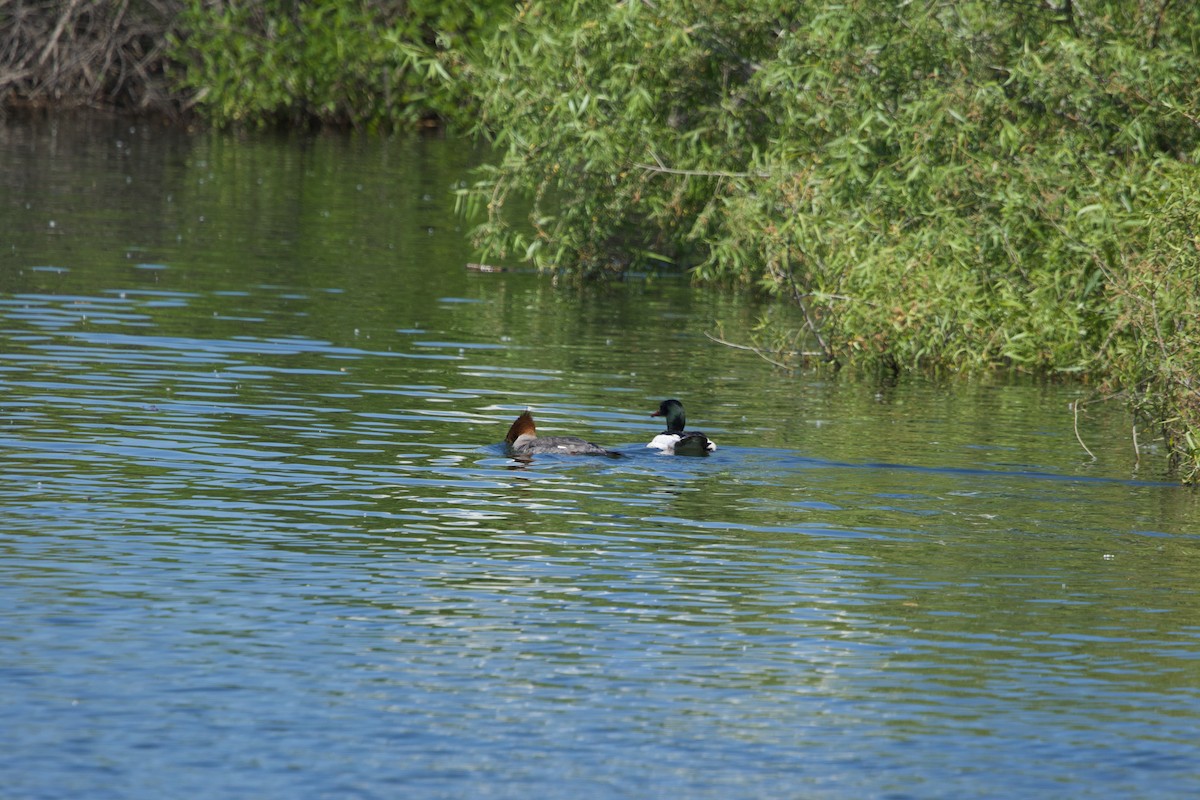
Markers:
{"x": 523, "y": 430}
{"x": 673, "y": 411}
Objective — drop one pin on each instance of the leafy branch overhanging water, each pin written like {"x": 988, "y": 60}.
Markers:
{"x": 939, "y": 185}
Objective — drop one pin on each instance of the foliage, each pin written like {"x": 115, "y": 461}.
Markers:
{"x": 589, "y": 102}
{"x": 941, "y": 184}
{"x": 1152, "y": 350}
{"x": 351, "y": 62}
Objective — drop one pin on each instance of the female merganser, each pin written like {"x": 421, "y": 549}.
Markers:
{"x": 522, "y": 440}
{"x": 675, "y": 440}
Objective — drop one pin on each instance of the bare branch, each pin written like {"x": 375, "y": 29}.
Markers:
{"x": 701, "y": 173}
{"x": 1078, "y": 438}
{"x": 760, "y": 353}
{"x": 63, "y": 19}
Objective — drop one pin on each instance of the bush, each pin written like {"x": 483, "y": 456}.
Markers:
{"x": 366, "y": 63}
{"x": 945, "y": 185}
{"x": 1152, "y": 350}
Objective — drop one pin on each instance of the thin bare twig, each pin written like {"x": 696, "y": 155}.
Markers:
{"x": 702, "y": 173}
{"x": 697, "y": 173}
{"x": 87, "y": 54}
{"x": 63, "y": 19}
{"x": 759, "y": 352}
{"x": 1156, "y": 28}
{"x": 799, "y": 298}
{"x": 1078, "y": 438}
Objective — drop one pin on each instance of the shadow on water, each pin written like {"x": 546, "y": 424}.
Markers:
{"x": 258, "y": 532}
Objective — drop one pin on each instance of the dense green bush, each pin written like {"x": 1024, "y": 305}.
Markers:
{"x": 943, "y": 184}
{"x": 350, "y": 62}
{"x": 1151, "y": 352}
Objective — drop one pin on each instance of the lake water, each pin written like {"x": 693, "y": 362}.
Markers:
{"x": 258, "y": 536}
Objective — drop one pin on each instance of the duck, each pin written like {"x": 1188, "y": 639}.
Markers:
{"x": 675, "y": 440}
{"x": 522, "y": 440}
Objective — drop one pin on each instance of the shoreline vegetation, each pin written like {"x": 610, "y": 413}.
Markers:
{"x": 946, "y": 186}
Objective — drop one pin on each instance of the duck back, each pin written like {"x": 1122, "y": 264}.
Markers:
{"x": 522, "y": 440}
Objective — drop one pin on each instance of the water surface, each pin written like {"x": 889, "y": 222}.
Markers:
{"x": 258, "y": 536}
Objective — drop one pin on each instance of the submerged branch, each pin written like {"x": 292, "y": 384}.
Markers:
{"x": 1078, "y": 438}
{"x": 1137, "y": 451}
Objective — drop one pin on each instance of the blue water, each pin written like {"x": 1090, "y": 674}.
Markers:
{"x": 258, "y": 537}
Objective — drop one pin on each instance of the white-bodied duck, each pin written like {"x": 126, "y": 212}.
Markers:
{"x": 675, "y": 440}
{"x": 522, "y": 440}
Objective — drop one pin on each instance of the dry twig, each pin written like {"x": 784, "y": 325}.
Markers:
{"x": 758, "y": 352}
{"x": 1078, "y": 438}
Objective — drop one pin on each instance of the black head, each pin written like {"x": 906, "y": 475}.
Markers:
{"x": 673, "y": 411}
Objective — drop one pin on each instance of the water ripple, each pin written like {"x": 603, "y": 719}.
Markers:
{"x": 251, "y": 560}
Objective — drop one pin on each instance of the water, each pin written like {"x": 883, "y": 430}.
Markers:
{"x": 258, "y": 537}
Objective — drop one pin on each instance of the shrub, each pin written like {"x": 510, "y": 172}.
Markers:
{"x": 365, "y": 63}
{"x": 945, "y": 185}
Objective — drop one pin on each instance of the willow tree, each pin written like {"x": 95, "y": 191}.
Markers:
{"x": 938, "y": 183}
{"x": 362, "y": 63}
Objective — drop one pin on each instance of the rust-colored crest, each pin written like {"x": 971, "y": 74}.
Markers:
{"x": 524, "y": 425}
